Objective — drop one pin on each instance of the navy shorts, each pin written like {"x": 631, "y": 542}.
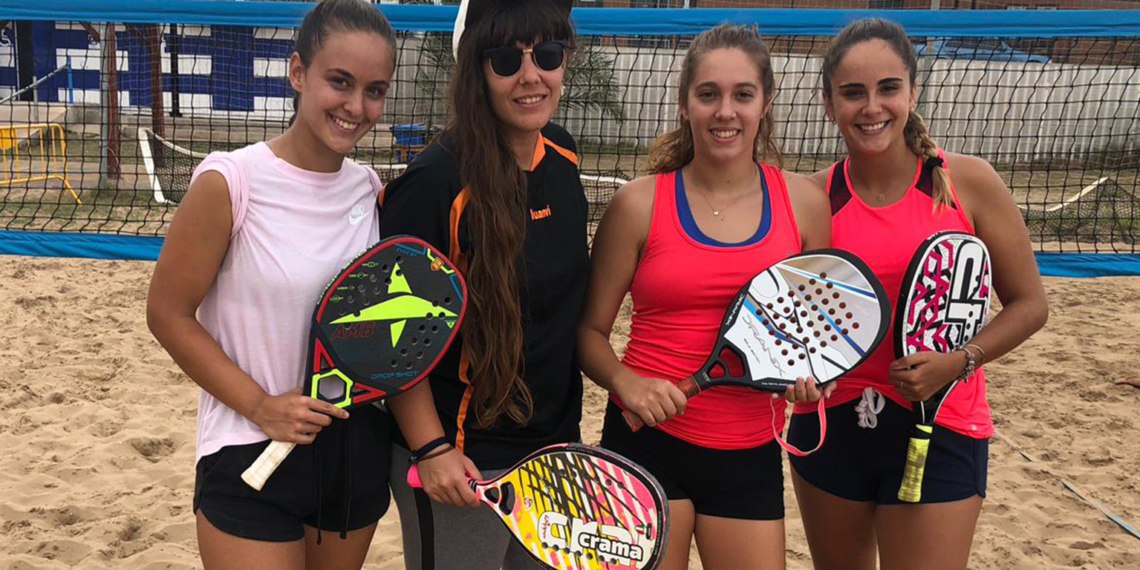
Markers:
{"x": 735, "y": 483}
{"x": 337, "y": 483}
{"x": 864, "y": 464}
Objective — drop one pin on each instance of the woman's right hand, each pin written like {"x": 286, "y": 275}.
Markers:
{"x": 294, "y": 418}
{"x": 445, "y": 478}
{"x": 654, "y": 400}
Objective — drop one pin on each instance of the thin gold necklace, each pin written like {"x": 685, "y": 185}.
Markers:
{"x": 717, "y": 212}
{"x": 880, "y": 197}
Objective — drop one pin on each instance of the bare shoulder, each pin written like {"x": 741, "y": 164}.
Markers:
{"x": 820, "y": 177}
{"x": 205, "y": 210}
{"x": 806, "y": 191}
{"x": 633, "y": 200}
{"x": 628, "y": 218}
{"x": 974, "y": 177}
{"x": 803, "y": 182}
{"x": 210, "y": 185}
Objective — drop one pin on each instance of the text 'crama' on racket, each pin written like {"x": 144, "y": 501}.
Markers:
{"x": 379, "y": 328}
{"x": 817, "y": 314}
{"x": 576, "y": 507}
{"x": 944, "y": 301}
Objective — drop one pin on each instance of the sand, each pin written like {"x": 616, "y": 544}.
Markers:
{"x": 97, "y": 428}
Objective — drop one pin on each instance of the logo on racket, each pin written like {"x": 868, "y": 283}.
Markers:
{"x": 949, "y": 297}
{"x": 613, "y": 544}
{"x": 398, "y": 309}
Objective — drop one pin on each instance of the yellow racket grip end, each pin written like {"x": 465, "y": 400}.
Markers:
{"x": 266, "y": 464}
{"x": 911, "y": 489}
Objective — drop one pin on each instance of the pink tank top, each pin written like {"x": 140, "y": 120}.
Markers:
{"x": 886, "y": 238}
{"x": 681, "y": 288}
{"x": 292, "y": 231}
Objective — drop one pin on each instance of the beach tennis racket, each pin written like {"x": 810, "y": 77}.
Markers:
{"x": 817, "y": 314}
{"x": 380, "y": 326}
{"x": 943, "y": 303}
{"x": 577, "y": 507}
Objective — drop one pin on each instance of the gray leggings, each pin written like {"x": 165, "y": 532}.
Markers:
{"x": 446, "y": 537}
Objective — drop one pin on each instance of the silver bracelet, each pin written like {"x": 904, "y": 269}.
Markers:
{"x": 981, "y": 360}
{"x": 968, "y": 371}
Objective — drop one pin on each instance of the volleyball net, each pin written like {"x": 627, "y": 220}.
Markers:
{"x": 138, "y": 93}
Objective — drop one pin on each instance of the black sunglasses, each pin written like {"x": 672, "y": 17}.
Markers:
{"x": 506, "y": 61}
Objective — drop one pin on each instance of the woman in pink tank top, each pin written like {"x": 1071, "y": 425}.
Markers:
{"x": 251, "y": 247}
{"x": 892, "y": 192}
{"x": 682, "y": 243}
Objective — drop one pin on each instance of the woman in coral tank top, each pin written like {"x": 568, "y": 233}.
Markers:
{"x": 895, "y": 189}
{"x": 682, "y": 242}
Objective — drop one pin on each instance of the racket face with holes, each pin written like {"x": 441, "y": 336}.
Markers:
{"x": 576, "y": 507}
{"x": 945, "y": 297}
{"x": 384, "y": 322}
{"x": 817, "y": 314}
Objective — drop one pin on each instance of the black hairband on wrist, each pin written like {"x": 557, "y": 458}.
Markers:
{"x": 425, "y": 449}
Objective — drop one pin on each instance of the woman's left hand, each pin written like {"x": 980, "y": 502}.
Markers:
{"x": 918, "y": 376}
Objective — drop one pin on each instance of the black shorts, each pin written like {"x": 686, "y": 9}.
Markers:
{"x": 863, "y": 464}
{"x": 339, "y": 482}
{"x": 737, "y": 484}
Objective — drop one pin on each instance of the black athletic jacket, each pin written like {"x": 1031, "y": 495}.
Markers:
{"x": 428, "y": 201}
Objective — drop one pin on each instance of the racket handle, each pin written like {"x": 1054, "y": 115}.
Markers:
{"x": 414, "y": 478}
{"x": 632, "y": 420}
{"x": 266, "y": 464}
{"x": 415, "y": 483}
{"x": 688, "y": 387}
{"x": 911, "y": 489}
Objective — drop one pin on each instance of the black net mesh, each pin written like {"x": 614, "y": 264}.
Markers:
{"x": 1058, "y": 117}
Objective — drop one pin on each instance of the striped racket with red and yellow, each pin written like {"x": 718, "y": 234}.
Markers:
{"x": 577, "y": 507}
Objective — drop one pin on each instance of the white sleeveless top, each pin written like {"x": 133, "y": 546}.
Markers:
{"x": 293, "y": 230}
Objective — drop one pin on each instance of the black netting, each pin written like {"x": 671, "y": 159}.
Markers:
{"x": 1058, "y": 117}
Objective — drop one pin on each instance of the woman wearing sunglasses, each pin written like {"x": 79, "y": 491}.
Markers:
{"x": 498, "y": 190}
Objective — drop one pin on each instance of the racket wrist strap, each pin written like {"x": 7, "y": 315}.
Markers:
{"x": 425, "y": 449}
{"x": 821, "y": 412}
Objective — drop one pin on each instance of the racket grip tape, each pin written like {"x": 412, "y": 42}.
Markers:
{"x": 688, "y": 387}
{"x": 415, "y": 483}
{"x": 414, "y": 478}
{"x": 911, "y": 489}
{"x": 266, "y": 464}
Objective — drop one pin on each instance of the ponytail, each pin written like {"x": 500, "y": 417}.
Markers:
{"x": 919, "y": 141}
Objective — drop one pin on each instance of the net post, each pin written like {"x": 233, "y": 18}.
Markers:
{"x": 175, "y": 87}
{"x": 153, "y": 36}
{"x": 70, "y": 83}
{"x": 109, "y": 115}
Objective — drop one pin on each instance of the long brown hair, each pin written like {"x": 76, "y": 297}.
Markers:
{"x": 492, "y": 335}
{"x": 330, "y": 16}
{"x": 915, "y": 133}
{"x": 675, "y": 149}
